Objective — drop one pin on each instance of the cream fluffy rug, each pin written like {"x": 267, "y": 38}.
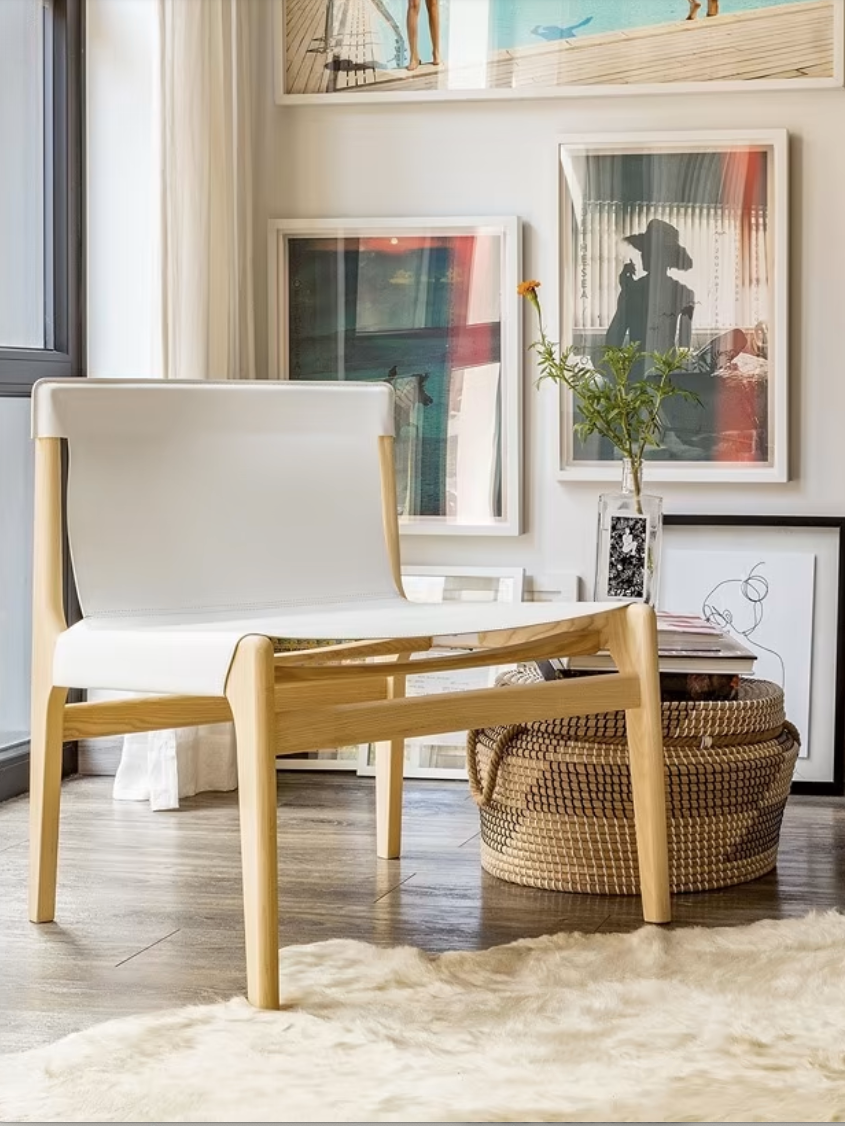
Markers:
{"x": 733, "y": 1024}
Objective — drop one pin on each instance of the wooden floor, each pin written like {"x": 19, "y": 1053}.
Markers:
{"x": 343, "y": 53}
{"x": 149, "y": 909}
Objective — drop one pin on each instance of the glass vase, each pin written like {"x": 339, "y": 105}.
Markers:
{"x": 630, "y": 532}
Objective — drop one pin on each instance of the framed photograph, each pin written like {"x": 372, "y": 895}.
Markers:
{"x": 399, "y": 50}
{"x": 680, "y": 241}
{"x": 444, "y": 756}
{"x": 777, "y": 583}
{"x": 429, "y": 306}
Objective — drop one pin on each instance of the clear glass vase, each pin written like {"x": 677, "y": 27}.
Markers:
{"x": 630, "y": 532}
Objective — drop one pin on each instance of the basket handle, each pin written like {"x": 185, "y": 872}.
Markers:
{"x": 793, "y": 732}
{"x": 482, "y": 796}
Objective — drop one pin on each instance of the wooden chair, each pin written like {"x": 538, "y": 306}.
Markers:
{"x": 206, "y": 519}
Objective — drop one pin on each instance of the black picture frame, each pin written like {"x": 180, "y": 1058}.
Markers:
{"x": 836, "y": 787}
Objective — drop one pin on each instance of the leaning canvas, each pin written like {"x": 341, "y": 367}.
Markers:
{"x": 777, "y": 583}
{"x": 762, "y": 598}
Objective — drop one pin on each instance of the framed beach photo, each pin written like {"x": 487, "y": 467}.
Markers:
{"x": 429, "y": 306}
{"x": 776, "y": 584}
{"x": 679, "y": 240}
{"x": 416, "y": 50}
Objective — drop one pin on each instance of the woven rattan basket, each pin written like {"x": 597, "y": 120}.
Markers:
{"x": 555, "y": 797}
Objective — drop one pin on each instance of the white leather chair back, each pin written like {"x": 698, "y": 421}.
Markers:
{"x": 221, "y": 497}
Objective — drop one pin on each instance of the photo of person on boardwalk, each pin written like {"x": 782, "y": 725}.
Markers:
{"x": 694, "y": 5}
{"x": 394, "y": 47}
{"x": 433, "y": 10}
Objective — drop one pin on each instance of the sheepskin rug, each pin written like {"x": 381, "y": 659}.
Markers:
{"x": 734, "y": 1024}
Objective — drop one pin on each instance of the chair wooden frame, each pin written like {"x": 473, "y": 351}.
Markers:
{"x": 333, "y": 696}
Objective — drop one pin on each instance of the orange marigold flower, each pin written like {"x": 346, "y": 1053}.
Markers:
{"x": 527, "y": 288}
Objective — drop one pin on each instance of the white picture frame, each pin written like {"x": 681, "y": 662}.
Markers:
{"x": 506, "y": 584}
{"x": 594, "y": 241}
{"x": 761, "y": 574}
{"x": 344, "y": 758}
{"x": 457, "y": 375}
{"x": 479, "y": 584}
{"x": 443, "y": 756}
{"x": 688, "y": 55}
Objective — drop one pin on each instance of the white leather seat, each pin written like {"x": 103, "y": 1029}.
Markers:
{"x": 156, "y": 654}
{"x": 206, "y": 518}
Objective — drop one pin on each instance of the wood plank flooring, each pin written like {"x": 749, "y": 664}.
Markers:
{"x": 149, "y": 904}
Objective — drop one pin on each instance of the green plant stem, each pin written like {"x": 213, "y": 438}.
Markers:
{"x": 637, "y": 474}
{"x": 611, "y": 403}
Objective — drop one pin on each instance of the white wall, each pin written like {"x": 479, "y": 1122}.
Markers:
{"x": 121, "y": 173}
{"x": 499, "y": 157}
{"x": 458, "y": 158}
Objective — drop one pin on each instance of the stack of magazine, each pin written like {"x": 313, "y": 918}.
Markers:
{"x": 696, "y": 658}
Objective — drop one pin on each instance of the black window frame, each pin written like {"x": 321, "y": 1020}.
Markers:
{"x": 64, "y": 273}
{"x": 64, "y": 207}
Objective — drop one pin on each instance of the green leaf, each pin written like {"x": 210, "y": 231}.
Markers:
{"x": 608, "y": 400}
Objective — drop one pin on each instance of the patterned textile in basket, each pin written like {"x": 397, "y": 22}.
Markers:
{"x": 556, "y": 806}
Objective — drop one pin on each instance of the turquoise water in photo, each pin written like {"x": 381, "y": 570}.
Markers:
{"x": 525, "y": 23}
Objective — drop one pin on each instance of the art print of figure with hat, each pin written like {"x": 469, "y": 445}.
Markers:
{"x": 654, "y": 310}
{"x": 676, "y": 242}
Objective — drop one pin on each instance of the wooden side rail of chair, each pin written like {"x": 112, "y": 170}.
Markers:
{"x": 353, "y": 712}
{"x": 337, "y": 725}
{"x": 157, "y": 713}
{"x": 583, "y": 635}
{"x": 556, "y": 645}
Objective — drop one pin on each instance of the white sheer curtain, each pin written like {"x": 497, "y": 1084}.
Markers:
{"x": 207, "y": 96}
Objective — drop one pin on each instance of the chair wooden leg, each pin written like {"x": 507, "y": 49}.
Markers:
{"x": 249, "y": 691}
{"x": 635, "y": 650}
{"x": 390, "y": 768}
{"x": 390, "y": 765}
{"x": 45, "y": 784}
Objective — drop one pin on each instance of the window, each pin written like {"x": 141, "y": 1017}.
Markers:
{"x": 42, "y": 282}
{"x": 22, "y": 185}
{"x": 41, "y": 233}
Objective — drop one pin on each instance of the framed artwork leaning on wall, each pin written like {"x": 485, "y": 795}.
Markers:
{"x": 335, "y": 51}
{"x": 429, "y": 306}
{"x": 444, "y": 756}
{"x": 679, "y": 240}
{"x": 430, "y": 756}
{"x": 777, "y": 584}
